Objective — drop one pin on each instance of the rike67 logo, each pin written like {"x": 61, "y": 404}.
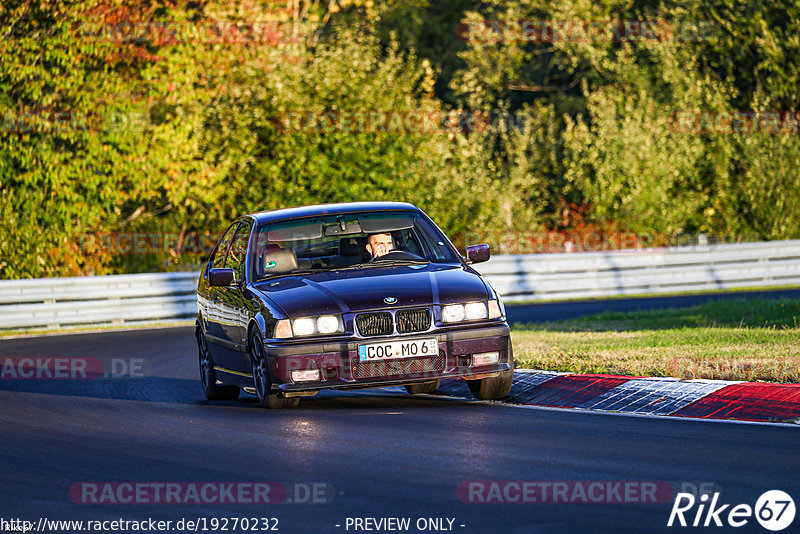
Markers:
{"x": 774, "y": 510}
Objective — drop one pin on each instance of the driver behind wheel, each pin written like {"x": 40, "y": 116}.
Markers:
{"x": 379, "y": 244}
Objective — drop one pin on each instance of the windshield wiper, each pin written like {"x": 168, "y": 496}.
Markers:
{"x": 291, "y": 273}
{"x": 399, "y": 261}
{"x": 383, "y": 263}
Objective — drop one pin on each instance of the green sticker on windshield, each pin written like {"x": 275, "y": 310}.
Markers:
{"x": 270, "y": 264}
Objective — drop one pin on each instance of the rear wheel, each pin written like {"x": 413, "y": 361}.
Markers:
{"x": 423, "y": 387}
{"x": 208, "y": 376}
{"x": 496, "y": 387}
{"x": 262, "y": 378}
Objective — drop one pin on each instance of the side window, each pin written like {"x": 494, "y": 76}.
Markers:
{"x": 408, "y": 241}
{"x": 428, "y": 238}
{"x": 238, "y": 251}
{"x": 222, "y": 249}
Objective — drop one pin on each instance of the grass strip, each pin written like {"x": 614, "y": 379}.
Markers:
{"x": 752, "y": 339}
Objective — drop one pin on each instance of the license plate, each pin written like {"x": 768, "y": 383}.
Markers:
{"x": 390, "y": 350}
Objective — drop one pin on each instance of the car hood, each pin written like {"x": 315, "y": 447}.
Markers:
{"x": 365, "y": 289}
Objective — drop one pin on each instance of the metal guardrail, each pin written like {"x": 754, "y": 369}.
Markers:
{"x": 121, "y": 299}
{"x": 596, "y": 274}
{"x": 116, "y": 299}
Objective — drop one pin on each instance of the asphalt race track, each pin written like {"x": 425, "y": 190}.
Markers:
{"x": 378, "y": 453}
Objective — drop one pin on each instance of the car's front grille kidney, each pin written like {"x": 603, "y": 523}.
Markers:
{"x": 400, "y": 368}
{"x": 375, "y": 324}
{"x": 413, "y": 320}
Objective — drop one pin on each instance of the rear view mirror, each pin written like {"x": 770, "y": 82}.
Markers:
{"x": 220, "y": 277}
{"x": 478, "y": 253}
{"x": 343, "y": 228}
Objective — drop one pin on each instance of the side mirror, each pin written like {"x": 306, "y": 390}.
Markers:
{"x": 478, "y": 253}
{"x": 220, "y": 277}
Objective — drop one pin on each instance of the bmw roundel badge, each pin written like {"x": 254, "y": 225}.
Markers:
{"x": 390, "y": 300}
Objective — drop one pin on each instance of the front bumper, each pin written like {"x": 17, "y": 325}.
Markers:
{"x": 337, "y": 361}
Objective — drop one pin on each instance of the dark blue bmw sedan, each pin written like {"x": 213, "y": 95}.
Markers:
{"x": 345, "y": 296}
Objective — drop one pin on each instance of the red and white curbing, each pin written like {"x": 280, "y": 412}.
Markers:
{"x": 705, "y": 399}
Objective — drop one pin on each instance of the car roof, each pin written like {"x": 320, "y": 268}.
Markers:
{"x": 330, "y": 209}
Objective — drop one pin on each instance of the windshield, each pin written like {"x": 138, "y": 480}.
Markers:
{"x": 348, "y": 241}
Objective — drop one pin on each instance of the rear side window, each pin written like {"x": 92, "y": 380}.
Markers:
{"x": 218, "y": 261}
{"x": 236, "y": 255}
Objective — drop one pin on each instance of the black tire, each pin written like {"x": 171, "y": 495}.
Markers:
{"x": 262, "y": 379}
{"x": 208, "y": 376}
{"x": 496, "y": 387}
{"x": 422, "y": 387}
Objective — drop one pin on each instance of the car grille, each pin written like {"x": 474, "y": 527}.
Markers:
{"x": 413, "y": 320}
{"x": 382, "y": 323}
{"x": 374, "y": 324}
{"x": 400, "y": 368}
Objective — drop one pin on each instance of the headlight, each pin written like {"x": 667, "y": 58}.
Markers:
{"x": 471, "y": 311}
{"x": 307, "y": 326}
{"x": 475, "y": 310}
{"x": 303, "y": 326}
{"x": 328, "y": 324}
{"x": 453, "y": 313}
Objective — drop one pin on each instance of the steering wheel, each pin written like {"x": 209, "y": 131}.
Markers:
{"x": 400, "y": 255}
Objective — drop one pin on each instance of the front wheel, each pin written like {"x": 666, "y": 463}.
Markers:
{"x": 496, "y": 387}
{"x": 262, "y": 379}
{"x": 208, "y": 376}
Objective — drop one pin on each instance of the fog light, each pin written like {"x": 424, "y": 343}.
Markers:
{"x": 485, "y": 358}
{"x": 305, "y": 376}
